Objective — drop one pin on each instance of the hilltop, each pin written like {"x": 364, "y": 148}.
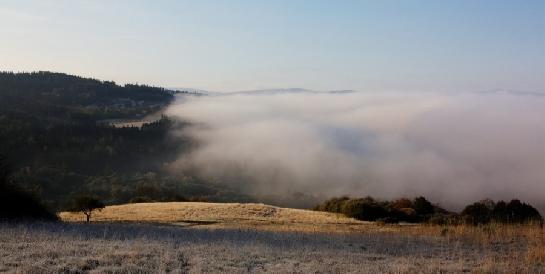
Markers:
{"x": 225, "y": 215}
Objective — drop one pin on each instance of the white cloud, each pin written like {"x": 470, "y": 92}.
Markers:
{"x": 453, "y": 148}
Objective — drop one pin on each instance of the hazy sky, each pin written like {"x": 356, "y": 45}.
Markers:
{"x": 322, "y": 45}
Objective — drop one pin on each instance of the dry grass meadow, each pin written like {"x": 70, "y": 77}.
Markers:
{"x": 226, "y": 215}
{"x": 256, "y": 238}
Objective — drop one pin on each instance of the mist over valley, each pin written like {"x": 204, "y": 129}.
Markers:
{"x": 450, "y": 147}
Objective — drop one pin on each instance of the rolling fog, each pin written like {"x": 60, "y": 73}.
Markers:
{"x": 452, "y": 148}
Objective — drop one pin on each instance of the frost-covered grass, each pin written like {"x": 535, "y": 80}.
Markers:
{"x": 149, "y": 248}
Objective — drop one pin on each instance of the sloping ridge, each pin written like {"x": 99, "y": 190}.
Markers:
{"x": 198, "y": 212}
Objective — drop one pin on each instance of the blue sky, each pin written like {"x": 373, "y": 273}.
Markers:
{"x": 323, "y": 45}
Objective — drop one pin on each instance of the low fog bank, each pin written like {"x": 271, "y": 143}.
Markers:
{"x": 452, "y": 148}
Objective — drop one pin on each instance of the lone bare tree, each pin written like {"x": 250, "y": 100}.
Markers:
{"x": 86, "y": 205}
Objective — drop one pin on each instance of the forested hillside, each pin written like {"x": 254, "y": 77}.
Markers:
{"x": 51, "y": 133}
{"x": 62, "y": 98}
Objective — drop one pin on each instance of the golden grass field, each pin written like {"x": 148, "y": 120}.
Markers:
{"x": 226, "y": 215}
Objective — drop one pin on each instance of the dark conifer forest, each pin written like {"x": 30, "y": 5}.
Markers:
{"x": 56, "y": 136}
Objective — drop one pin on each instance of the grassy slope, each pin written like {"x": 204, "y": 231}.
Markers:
{"x": 226, "y": 215}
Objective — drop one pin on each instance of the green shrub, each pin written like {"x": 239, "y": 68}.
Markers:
{"x": 402, "y": 203}
{"x": 423, "y": 207}
{"x": 501, "y": 212}
{"x": 476, "y": 213}
{"x": 332, "y": 205}
{"x": 87, "y": 205}
{"x": 369, "y": 209}
{"x": 365, "y": 209}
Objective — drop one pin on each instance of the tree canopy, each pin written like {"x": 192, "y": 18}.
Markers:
{"x": 86, "y": 205}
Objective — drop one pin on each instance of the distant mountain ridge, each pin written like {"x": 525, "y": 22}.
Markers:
{"x": 263, "y": 91}
{"x": 274, "y": 91}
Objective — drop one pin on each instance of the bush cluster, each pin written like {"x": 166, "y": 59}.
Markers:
{"x": 487, "y": 211}
{"x": 370, "y": 209}
{"x": 421, "y": 210}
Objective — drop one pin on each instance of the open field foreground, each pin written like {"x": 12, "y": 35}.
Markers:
{"x": 216, "y": 245}
{"x": 148, "y": 248}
